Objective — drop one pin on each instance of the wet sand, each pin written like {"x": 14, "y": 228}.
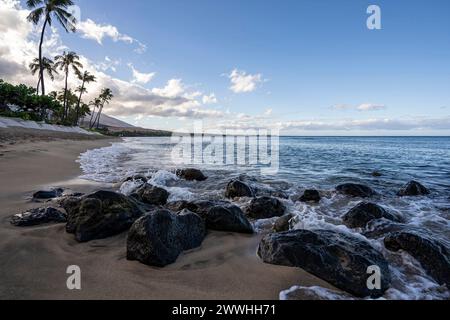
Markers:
{"x": 33, "y": 261}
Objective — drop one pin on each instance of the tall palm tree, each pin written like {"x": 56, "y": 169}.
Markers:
{"x": 85, "y": 77}
{"x": 47, "y": 64}
{"x": 96, "y": 104}
{"x": 65, "y": 62}
{"x": 49, "y": 9}
{"x": 105, "y": 96}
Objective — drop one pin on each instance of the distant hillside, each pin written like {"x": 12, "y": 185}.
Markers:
{"x": 107, "y": 121}
{"x": 115, "y": 127}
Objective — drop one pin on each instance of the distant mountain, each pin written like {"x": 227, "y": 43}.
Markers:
{"x": 115, "y": 127}
{"x": 107, "y": 121}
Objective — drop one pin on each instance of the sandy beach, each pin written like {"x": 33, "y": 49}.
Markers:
{"x": 33, "y": 260}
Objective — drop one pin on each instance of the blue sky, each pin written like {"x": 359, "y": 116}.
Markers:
{"x": 315, "y": 61}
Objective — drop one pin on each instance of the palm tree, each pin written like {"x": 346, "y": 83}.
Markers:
{"x": 105, "y": 97}
{"x": 64, "y": 62}
{"x": 96, "y": 104}
{"x": 50, "y": 9}
{"x": 48, "y": 66}
{"x": 86, "y": 77}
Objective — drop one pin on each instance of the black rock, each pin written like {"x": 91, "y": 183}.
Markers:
{"x": 38, "y": 216}
{"x": 158, "y": 239}
{"x": 100, "y": 215}
{"x": 413, "y": 188}
{"x": 355, "y": 190}
{"x": 191, "y": 174}
{"x": 364, "y": 212}
{"x": 265, "y": 208}
{"x": 282, "y": 223}
{"x": 237, "y": 189}
{"x": 48, "y": 194}
{"x": 136, "y": 177}
{"x": 379, "y": 228}
{"x": 218, "y": 215}
{"x": 201, "y": 207}
{"x": 310, "y": 196}
{"x": 377, "y": 174}
{"x": 153, "y": 195}
{"x": 314, "y": 294}
{"x": 180, "y": 205}
{"x": 227, "y": 218}
{"x": 340, "y": 259}
{"x": 433, "y": 254}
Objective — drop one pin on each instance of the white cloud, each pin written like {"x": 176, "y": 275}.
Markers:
{"x": 342, "y": 107}
{"x": 141, "y": 77}
{"x": 241, "y": 82}
{"x": 93, "y": 31}
{"x": 268, "y": 112}
{"x": 109, "y": 64}
{"x": 209, "y": 99}
{"x": 371, "y": 107}
{"x": 89, "y": 29}
{"x": 173, "y": 88}
{"x": 361, "y": 107}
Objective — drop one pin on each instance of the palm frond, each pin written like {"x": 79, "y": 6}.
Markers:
{"x": 36, "y": 15}
{"x": 34, "y": 3}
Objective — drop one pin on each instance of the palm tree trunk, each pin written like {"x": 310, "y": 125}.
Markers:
{"x": 92, "y": 117}
{"x": 38, "y": 85}
{"x": 79, "y": 102}
{"x": 41, "y": 69}
{"x": 65, "y": 95}
{"x": 98, "y": 116}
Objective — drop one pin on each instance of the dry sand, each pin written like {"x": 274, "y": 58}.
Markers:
{"x": 33, "y": 261}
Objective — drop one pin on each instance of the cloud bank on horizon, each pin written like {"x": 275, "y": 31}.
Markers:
{"x": 140, "y": 101}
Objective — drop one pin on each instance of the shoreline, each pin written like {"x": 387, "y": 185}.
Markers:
{"x": 224, "y": 267}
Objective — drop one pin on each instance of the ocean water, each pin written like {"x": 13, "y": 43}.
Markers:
{"x": 310, "y": 162}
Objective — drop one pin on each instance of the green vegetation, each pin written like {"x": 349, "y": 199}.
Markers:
{"x": 22, "y": 102}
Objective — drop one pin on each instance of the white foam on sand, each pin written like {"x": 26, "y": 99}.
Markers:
{"x": 19, "y": 123}
{"x": 104, "y": 164}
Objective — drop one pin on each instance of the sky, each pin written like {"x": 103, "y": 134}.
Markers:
{"x": 305, "y": 67}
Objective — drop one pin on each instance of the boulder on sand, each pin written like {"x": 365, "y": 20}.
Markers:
{"x": 310, "y": 196}
{"x": 364, "y": 212}
{"x": 432, "y": 253}
{"x": 38, "y": 216}
{"x": 100, "y": 215}
{"x": 218, "y": 215}
{"x": 237, "y": 189}
{"x": 157, "y": 239}
{"x": 283, "y": 223}
{"x": 152, "y": 195}
{"x": 48, "y": 194}
{"x": 413, "y": 188}
{"x": 340, "y": 259}
{"x": 227, "y": 218}
{"x": 265, "y": 208}
{"x": 355, "y": 190}
{"x": 191, "y": 174}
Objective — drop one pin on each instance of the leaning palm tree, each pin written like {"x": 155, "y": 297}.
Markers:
{"x": 49, "y": 9}
{"x": 105, "y": 97}
{"x": 85, "y": 77}
{"x": 47, "y": 64}
{"x": 65, "y": 62}
{"x": 96, "y": 104}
